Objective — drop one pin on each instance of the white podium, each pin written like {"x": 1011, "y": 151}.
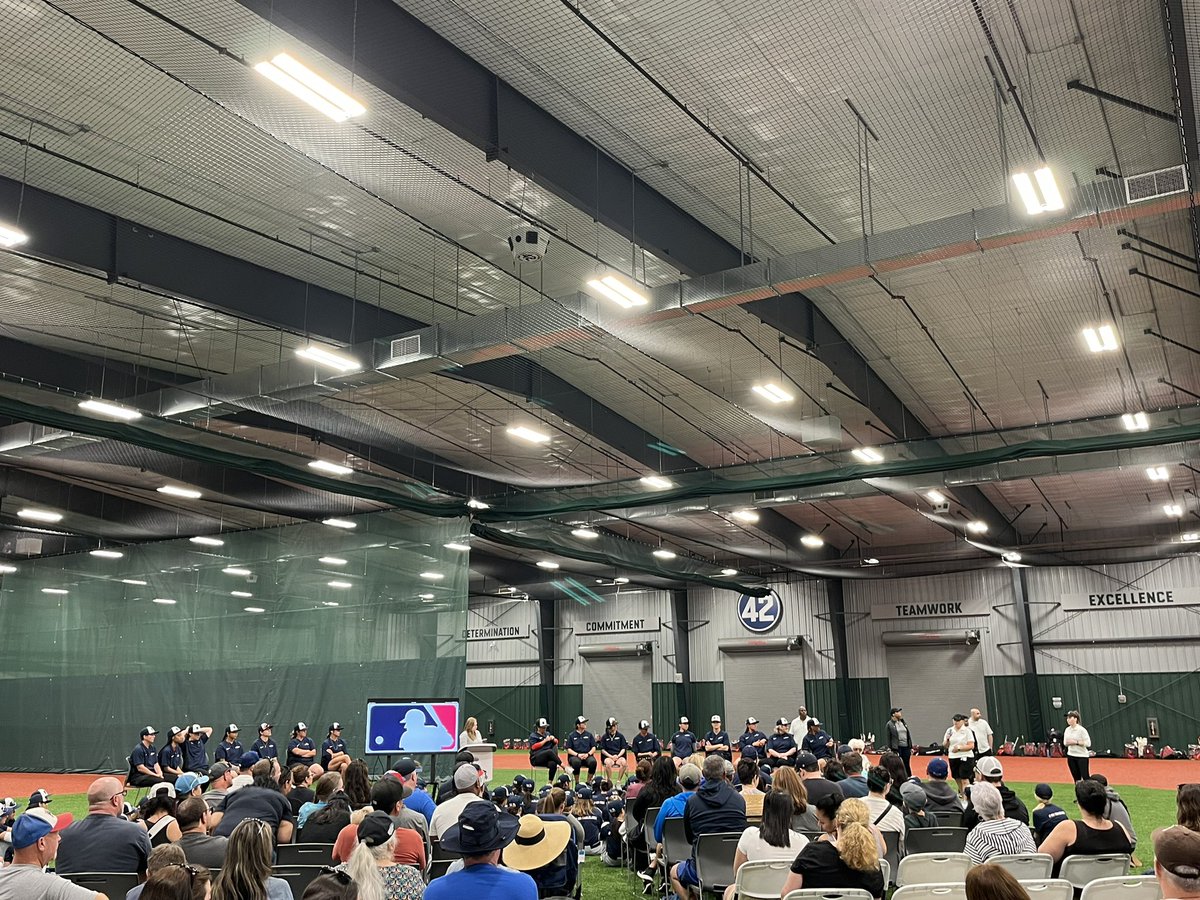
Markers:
{"x": 484, "y": 757}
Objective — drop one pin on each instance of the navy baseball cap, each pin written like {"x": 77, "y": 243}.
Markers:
{"x": 248, "y": 759}
{"x": 335, "y": 726}
{"x": 807, "y": 761}
{"x": 406, "y": 767}
{"x": 40, "y": 797}
{"x": 149, "y": 730}
{"x": 174, "y": 730}
{"x": 938, "y": 768}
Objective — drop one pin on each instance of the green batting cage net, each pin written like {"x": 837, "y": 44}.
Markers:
{"x": 298, "y": 623}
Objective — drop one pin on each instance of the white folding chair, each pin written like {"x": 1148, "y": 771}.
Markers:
{"x": 1036, "y": 866}
{"x": 886, "y": 868}
{"x": 1082, "y": 869}
{"x": 932, "y": 868}
{"x": 956, "y": 891}
{"x": 1129, "y": 887}
{"x": 1047, "y": 888}
{"x": 828, "y": 894}
{"x": 763, "y": 879}
{"x": 935, "y": 840}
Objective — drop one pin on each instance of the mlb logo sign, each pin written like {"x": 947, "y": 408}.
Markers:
{"x": 412, "y": 727}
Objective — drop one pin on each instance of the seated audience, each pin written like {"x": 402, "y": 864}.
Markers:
{"x": 357, "y": 784}
{"x": 915, "y": 801}
{"x": 262, "y": 803}
{"x": 855, "y": 782}
{"x": 407, "y": 772}
{"x": 326, "y": 823}
{"x": 715, "y": 807}
{"x": 849, "y": 860}
{"x": 672, "y": 808}
{"x": 804, "y": 817}
{"x": 480, "y": 833}
{"x": 1116, "y": 808}
{"x": 197, "y": 844}
{"x": 1091, "y": 834}
{"x": 883, "y": 815}
{"x": 161, "y": 857}
{"x": 772, "y": 839}
{"x": 178, "y": 882}
{"x": 748, "y": 777}
{"x": 995, "y": 833}
{"x": 989, "y": 770}
{"x": 331, "y": 885}
{"x": 301, "y": 791}
{"x": 1177, "y": 862}
{"x": 896, "y": 770}
{"x": 816, "y": 783}
{"x": 943, "y": 796}
{"x": 544, "y": 849}
{"x": 1046, "y": 815}
{"x": 373, "y": 864}
{"x": 35, "y": 840}
{"x": 327, "y": 785}
{"x": 246, "y": 874}
{"x": 589, "y": 817}
{"x": 103, "y": 841}
{"x": 387, "y": 797}
{"x": 993, "y": 882}
{"x": 156, "y": 813}
{"x": 468, "y": 790}
{"x": 1187, "y": 806}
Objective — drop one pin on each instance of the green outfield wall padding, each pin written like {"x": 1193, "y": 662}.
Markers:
{"x": 820, "y": 696}
{"x": 568, "y": 703}
{"x": 870, "y": 702}
{"x": 511, "y": 710}
{"x": 1007, "y": 707}
{"x": 708, "y": 699}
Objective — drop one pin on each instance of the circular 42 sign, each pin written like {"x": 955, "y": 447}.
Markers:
{"x": 759, "y": 614}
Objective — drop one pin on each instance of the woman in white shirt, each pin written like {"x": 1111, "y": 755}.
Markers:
{"x": 960, "y": 744}
{"x": 773, "y": 839}
{"x": 470, "y": 733}
{"x": 1078, "y": 743}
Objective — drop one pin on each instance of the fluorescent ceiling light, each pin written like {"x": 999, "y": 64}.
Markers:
{"x": 749, "y": 516}
{"x": 455, "y": 545}
{"x": 935, "y": 497}
{"x": 613, "y": 288}
{"x": 329, "y": 603}
{"x": 341, "y": 585}
{"x": 6, "y": 569}
{"x": 729, "y": 572}
{"x": 175, "y": 491}
{"x": 477, "y": 504}
{"x": 329, "y": 359}
{"x": 587, "y": 534}
{"x": 1188, "y": 537}
{"x": 111, "y": 410}
{"x": 812, "y": 540}
{"x": 332, "y": 560}
{"x": 426, "y": 596}
{"x": 339, "y": 523}
{"x": 547, "y": 564}
{"x": 322, "y": 465}
{"x": 1101, "y": 340}
{"x": 10, "y": 237}
{"x": 620, "y": 581}
{"x": 662, "y": 553}
{"x": 300, "y": 81}
{"x": 136, "y": 581}
{"x": 657, "y": 481}
{"x": 1135, "y": 421}
{"x": 432, "y": 576}
{"x": 773, "y": 392}
{"x": 1157, "y": 473}
{"x": 254, "y": 609}
{"x": 106, "y": 554}
{"x": 1174, "y": 510}
{"x": 55, "y": 591}
{"x": 528, "y": 434}
{"x": 1012, "y": 556}
{"x": 206, "y": 541}
{"x": 39, "y": 515}
{"x": 1050, "y": 199}
{"x": 867, "y": 454}
{"x": 977, "y": 527}
{"x": 165, "y": 601}
{"x": 235, "y": 570}
{"x": 240, "y": 594}
{"x": 870, "y": 561}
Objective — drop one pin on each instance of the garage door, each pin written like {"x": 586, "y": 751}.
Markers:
{"x": 614, "y": 687}
{"x": 955, "y": 670}
{"x": 763, "y": 685}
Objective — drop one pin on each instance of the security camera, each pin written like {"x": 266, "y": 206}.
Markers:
{"x": 528, "y": 244}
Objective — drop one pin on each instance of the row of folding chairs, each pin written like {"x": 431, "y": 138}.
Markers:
{"x": 765, "y": 883}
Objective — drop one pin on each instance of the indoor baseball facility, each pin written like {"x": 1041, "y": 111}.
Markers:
{"x": 545, "y": 402}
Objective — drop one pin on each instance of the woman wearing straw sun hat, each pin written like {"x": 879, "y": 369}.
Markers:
{"x": 542, "y": 848}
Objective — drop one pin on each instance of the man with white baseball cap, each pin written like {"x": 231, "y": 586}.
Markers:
{"x": 35, "y": 839}
{"x": 144, "y": 769}
{"x": 468, "y": 782}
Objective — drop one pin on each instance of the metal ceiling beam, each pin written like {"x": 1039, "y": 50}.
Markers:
{"x": 397, "y": 53}
{"x": 1185, "y": 105}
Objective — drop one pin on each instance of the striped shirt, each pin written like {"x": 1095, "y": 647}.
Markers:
{"x": 993, "y": 837}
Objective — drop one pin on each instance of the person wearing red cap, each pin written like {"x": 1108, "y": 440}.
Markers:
{"x": 35, "y": 839}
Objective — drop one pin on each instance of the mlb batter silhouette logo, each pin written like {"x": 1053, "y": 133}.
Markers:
{"x": 411, "y": 727}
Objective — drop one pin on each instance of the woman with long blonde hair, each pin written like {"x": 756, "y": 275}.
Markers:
{"x": 246, "y": 874}
{"x": 849, "y": 860}
{"x": 470, "y": 733}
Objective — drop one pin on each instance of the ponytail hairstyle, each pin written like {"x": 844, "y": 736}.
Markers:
{"x": 583, "y": 807}
{"x": 555, "y": 801}
{"x": 855, "y": 841}
{"x": 363, "y": 868}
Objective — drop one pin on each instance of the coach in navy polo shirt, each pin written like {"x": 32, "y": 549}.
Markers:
{"x": 265, "y": 747}
{"x": 334, "y": 757}
{"x": 300, "y": 749}
{"x": 817, "y": 742}
{"x": 170, "y": 757}
{"x": 645, "y": 745}
{"x": 753, "y": 743}
{"x": 781, "y": 746}
{"x": 195, "y": 754}
{"x": 144, "y": 770}
{"x": 717, "y": 741}
{"x": 581, "y": 749}
{"x": 613, "y": 748}
{"x": 683, "y": 742}
{"x": 229, "y": 750}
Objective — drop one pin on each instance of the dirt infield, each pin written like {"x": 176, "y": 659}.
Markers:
{"x": 1150, "y": 773}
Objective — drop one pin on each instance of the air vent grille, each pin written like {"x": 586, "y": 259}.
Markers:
{"x": 1156, "y": 184}
{"x": 405, "y": 349}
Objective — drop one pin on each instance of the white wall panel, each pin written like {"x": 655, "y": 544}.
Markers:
{"x": 801, "y": 604}
{"x": 864, "y": 635}
{"x": 1051, "y": 623}
{"x": 655, "y": 606}
{"x": 479, "y": 653}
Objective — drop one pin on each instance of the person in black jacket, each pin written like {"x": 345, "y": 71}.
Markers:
{"x": 543, "y": 748}
{"x": 899, "y": 738}
{"x": 988, "y": 768}
{"x": 715, "y": 807}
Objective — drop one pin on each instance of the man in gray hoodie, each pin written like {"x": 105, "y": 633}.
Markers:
{"x": 714, "y": 808}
